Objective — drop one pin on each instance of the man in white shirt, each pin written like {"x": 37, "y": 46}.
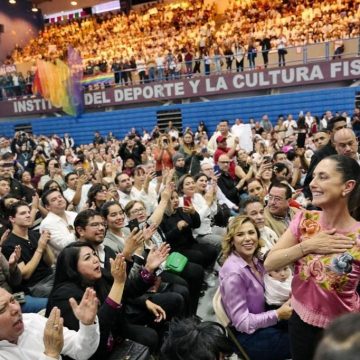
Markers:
{"x": 77, "y": 189}
{"x": 222, "y": 129}
{"x": 34, "y": 337}
{"x": 290, "y": 126}
{"x": 127, "y": 192}
{"x": 59, "y": 222}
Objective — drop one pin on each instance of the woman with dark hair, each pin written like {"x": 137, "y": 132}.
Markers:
{"x": 192, "y": 339}
{"x": 77, "y": 268}
{"x": 177, "y": 226}
{"x": 242, "y": 291}
{"x": 97, "y": 196}
{"x": 53, "y": 172}
{"x": 191, "y": 153}
{"x": 50, "y": 185}
{"x": 205, "y": 204}
{"x": 192, "y": 275}
{"x": 324, "y": 246}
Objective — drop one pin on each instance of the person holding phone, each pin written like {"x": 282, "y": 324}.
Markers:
{"x": 192, "y": 153}
{"x": 54, "y": 172}
{"x": 193, "y": 274}
{"x": 163, "y": 153}
{"x": 206, "y": 206}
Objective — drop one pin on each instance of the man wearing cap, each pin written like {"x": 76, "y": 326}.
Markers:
{"x": 222, "y": 129}
{"x": 222, "y": 149}
{"x": 335, "y": 124}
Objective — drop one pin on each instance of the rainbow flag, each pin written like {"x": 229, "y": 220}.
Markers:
{"x": 60, "y": 83}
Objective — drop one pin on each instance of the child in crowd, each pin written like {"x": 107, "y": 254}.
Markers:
{"x": 277, "y": 287}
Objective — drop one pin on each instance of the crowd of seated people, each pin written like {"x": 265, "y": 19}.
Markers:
{"x": 180, "y": 39}
{"x": 151, "y": 221}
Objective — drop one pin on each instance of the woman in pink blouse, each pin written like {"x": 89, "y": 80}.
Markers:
{"x": 243, "y": 295}
{"x": 325, "y": 247}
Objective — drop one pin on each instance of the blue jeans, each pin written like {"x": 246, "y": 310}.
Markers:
{"x": 271, "y": 343}
{"x": 33, "y": 304}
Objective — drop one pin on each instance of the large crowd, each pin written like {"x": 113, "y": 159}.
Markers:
{"x": 135, "y": 230}
{"x": 173, "y": 39}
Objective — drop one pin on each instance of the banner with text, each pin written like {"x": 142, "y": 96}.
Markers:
{"x": 204, "y": 86}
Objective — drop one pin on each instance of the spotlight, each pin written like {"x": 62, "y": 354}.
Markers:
{"x": 73, "y": 3}
{"x": 12, "y": 1}
{"x": 34, "y": 8}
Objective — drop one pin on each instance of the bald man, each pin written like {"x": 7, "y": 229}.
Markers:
{"x": 346, "y": 144}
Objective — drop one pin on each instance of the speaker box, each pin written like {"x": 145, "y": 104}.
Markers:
{"x": 1, "y": 28}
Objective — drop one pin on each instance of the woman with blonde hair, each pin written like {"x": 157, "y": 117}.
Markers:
{"x": 242, "y": 291}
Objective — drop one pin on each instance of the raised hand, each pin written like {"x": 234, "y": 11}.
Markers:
{"x": 118, "y": 268}
{"x": 14, "y": 257}
{"x": 44, "y": 239}
{"x": 157, "y": 310}
{"x": 53, "y": 334}
{"x": 157, "y": 256}
{"x": 4, "y": 236}
{"x": 133, "y": 242}
{"x": 189, "y": 209}
{"x": 86, "y": 311}
{"x": 149, "y": 231}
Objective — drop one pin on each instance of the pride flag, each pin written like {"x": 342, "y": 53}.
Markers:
{"x": 60, "y": 83}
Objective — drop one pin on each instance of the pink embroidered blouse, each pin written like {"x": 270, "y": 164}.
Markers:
{"x": 324, "y": 286}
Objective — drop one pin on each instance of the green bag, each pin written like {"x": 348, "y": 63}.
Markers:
{"x": 176, "y": 262}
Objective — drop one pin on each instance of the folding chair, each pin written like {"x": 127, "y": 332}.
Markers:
{"x": 225, "y": 321}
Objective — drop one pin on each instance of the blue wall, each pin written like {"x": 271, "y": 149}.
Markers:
{"x": 121, "y": 121}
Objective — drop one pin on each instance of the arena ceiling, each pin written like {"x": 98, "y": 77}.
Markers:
{"x": 54, "y": 6}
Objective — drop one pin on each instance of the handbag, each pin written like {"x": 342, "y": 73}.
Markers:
{"x": 176, "y": 262}
{"x": 130, "y": 350}
{"x": 221, "y": 218}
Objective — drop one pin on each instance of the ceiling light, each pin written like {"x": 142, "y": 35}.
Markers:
{"x": 73, "y": 3}
{"x": 34, "y": 8}
{"x": 12, "y": 1}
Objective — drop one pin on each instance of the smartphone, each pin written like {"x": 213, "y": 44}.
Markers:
{"x": 165, "y": 142}
{"x": 300, "y": 142}
{"x": 133, "y": 224}
{"x": 267, "y": 159}
{"x": 20, "y": 297}
{"x": 80, "y": 172}
{"x": 187, "y": 200}
{"x": 217, "y": 169}
{"x": 158, "y": 173}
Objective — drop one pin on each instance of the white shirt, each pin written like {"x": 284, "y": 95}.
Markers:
{"x": 70, "y": 193}
{"x": 212, "y": 145}
{"x": 80, "y": 345}
{"x": 136, "y": 194}
{"x": 290, "y": 127}
{"x": 205, "y": 212}
{"x": 60, "y": 235}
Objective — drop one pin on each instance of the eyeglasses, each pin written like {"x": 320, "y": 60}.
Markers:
{"x": 137, "y": 211}
{"x": 224, "y": 162}
{"x": 97, "y": 224}
{"x": 275, "y": 199}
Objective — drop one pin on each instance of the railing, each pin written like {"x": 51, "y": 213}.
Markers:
{"x": 218, "y": 65}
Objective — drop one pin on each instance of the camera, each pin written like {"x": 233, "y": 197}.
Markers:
{"x": 56, "y": 166}
{"x": 165, "y": 142}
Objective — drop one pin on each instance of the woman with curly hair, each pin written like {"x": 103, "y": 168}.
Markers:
{"x": 243, "y": 295}
{"x": 325, "y": 248}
